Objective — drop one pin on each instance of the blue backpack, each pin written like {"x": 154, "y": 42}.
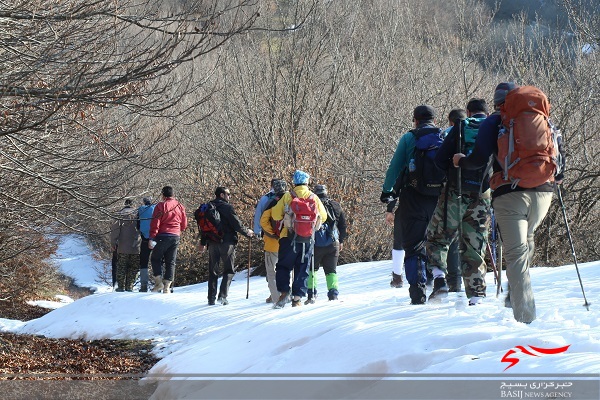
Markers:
{"x": 328, "y": 233}
{"x": 423, "y": 174}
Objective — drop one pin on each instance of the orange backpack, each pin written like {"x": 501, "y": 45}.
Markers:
{"x": 527, "y": 151}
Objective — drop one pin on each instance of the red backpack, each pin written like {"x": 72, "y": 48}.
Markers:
{"x": 527, "y": 151}
{"x": 302, "y": 216}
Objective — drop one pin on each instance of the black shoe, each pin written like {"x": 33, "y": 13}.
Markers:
{"x": 397, "y": 281}
{"x": 310, "y": 299}
{"x": 332, "y": 294}
{"x": 440, "y": 290}
{"x": 417, "y": 294}
{"x": 211, "y": 302}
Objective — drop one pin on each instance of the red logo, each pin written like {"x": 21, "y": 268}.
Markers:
{"x": 540, "y": 350}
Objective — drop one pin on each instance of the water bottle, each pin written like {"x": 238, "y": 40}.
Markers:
{"x": 411, "y": 165}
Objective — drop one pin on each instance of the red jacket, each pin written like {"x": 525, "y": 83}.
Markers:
{"x": 168, "y": 218}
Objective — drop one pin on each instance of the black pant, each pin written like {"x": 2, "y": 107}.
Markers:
{"x": 218, "y": 252}
{"x": 166, "y": 248}
{"x": 327, "y": 257}
{"x": 144, "y": 253}
{"x": 413, "y": 215}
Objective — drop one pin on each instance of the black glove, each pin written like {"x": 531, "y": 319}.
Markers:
{"x": 386, "y": 197}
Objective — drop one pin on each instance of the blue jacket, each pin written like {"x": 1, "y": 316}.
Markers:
{"x": 144, "y": 218}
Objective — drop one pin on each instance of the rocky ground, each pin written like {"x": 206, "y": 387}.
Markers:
{"x": 25, "y": 357}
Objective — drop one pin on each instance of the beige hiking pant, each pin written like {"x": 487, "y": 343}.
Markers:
{"x": 518, "y": 215}
{"x": 271, "y": 258}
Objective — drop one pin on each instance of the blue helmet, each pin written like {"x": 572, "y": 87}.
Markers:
{"x": 300, "y": 178}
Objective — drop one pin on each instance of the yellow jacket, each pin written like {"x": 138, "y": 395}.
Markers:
{"x": 302, "y": 191}
{"x": 271, "y": 243}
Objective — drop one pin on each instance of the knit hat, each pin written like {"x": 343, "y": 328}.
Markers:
{"x": 279, "y": 186}
{"x": 424, "y": 113}
{"x": 147, "y": 200}
{"x": 502, "y": 90}
{"x": 300, "y": 177}
{"x": 320, "y": 190}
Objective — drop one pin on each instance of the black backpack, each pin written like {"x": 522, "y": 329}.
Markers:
{"x": 208, "y": 219}
{"x": 328, "y": 233}
{"x": 423, "y": 174}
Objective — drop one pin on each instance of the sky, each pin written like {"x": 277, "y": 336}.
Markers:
{"x": 370, "y": 333}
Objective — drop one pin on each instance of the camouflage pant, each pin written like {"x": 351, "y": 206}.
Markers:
{"x": 474, "y": 219}
{"x": 128, "y": 266}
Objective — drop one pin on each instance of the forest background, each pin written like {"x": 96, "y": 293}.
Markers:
{"x": 105, "y": 100}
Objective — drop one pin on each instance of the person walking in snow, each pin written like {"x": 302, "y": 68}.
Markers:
{"x": 415, "y": 208}
{"x": 144, "y": 216}
{"x": 295, "y": 250}
{"x": 518, "y": 210}
{"x": 125, "y": 240}
{"x": 271, "y": 230}
{"x": 225, "y": 250}
{"x": 453, "y": 276}
{"x": 168, "y": 221}
{"x": 467, "y": 212}
{"x": 329, "y": 242}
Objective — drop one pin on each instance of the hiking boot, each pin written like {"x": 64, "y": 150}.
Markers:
{"x": 119, "y": 289}
{"x": 166, "y": 286}
{"x": 223, "y": 300}
{"x": 158, "y": 284}
{"x": 269, "y": 300}
{"x": 440, "y": 290}
{"x": 417, "y": 294}
{"x": 397, "y": 281}
{"x": 310, "y": 299}
{"x": 332, "y": 294}
{"x": 453, "y": 288}
{"x": 297, "y": 302}
{"x": 473, "y": 301}
{"x": 211, "y": 302}
{"x": 283, "y": 299}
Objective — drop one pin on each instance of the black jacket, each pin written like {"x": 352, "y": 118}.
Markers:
{"x": 230, "y": 223}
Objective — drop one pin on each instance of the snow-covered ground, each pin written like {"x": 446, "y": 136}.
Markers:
{"x": 372, "y": 332}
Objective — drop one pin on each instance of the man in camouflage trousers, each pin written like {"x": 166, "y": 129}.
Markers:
{"x": 469, "y": 209}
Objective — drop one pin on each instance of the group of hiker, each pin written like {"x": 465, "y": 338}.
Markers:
{"x": 440, "y": 182}
{"x": 440, "y": 190}
{"x": 302, "y": 230}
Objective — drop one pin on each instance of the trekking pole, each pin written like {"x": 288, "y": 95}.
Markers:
{"x": 494, "y": 268}
{"x": 496, "y": 255}
{"x": 564, "y": 211}
{"x": 459, "y": 149}
{"x": 249, "y": 260}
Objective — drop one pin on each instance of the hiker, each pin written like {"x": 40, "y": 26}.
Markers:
{"x": 144, "y": 217}
{"x": 329, "y": 242}
{"x": 467, "y": 212}
{"x": 271, "y": 230}
{"x": 168, "y": 221}
{"x": 453, "y": 276}
{"x": 296, "y": 241}
{"x": 125, "y": 240}
{"x": 519, "y": 205}
{"x": 416, "y": 191}
{"x": 223, "y": 250}
{"x": 262, "y": 205}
